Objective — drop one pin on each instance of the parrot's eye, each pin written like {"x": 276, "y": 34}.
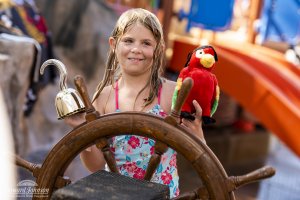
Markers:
{"x": 199, "y": 53}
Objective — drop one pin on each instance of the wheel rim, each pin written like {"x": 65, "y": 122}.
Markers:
{"x": 199, "y": 155}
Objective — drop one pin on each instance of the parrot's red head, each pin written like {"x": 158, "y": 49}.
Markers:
{"x": 202, "y": 57}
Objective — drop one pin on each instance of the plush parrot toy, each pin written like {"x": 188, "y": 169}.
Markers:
{"x": 205, "y": 90}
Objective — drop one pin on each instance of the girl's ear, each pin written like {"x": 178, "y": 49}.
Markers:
{"x": 112, "y": 43}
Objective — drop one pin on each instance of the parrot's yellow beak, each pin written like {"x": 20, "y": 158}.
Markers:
{"x": 207, "y": 60}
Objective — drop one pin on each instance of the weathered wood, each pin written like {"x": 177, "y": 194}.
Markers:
{"x": 91, "y": 113}
{"x": 235, "y": 182}
{"x": 174, "y": 117}
{"x": 147, "y": 125}
{"x": 192, "y": 195}
{"x": 200, "y": 193}
{"x": 33, "y": 168}
{"x": 62, "y": 181}
{"x": 159, "y": 149}
{"x": 186, "y": 86}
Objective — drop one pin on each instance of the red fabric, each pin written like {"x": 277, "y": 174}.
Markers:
{"x": 204, "y": 88}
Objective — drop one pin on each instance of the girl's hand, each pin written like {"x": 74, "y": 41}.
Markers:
{"x": 196, "y": 125}
{"x": 74, "y": 120}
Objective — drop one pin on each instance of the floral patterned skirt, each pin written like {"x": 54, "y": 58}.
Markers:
{"x": 132, "y": 155}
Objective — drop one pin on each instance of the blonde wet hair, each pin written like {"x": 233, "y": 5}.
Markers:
{"x": 112, "y": 70}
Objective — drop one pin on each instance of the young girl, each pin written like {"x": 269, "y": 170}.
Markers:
{"x": 133, "y": 82}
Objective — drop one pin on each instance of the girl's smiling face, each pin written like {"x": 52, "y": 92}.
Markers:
{"x": 135, "y": 50}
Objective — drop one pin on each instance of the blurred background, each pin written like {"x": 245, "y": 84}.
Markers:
{"x": 257, "y": 41}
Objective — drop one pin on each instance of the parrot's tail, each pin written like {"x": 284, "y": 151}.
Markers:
{"x": 208, "y": 120}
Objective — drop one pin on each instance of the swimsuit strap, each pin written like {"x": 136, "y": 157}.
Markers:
{"x": 117, "y": 95}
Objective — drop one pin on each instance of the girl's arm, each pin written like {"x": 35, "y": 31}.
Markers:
{"x": 92, "y": 158}
{"x": 196, "y": 125}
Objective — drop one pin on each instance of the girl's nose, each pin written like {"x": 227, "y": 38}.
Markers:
{"x": 135, "y": 50}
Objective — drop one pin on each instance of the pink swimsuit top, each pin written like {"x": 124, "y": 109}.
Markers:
{"x": 133, "y": 152}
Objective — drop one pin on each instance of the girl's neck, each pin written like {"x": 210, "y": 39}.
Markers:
{"x": 133, "y": 83}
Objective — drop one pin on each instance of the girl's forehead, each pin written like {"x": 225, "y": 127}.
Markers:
{"x": 138, "y": 30}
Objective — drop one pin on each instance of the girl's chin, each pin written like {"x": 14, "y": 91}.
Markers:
{"x": 135, "y": 62}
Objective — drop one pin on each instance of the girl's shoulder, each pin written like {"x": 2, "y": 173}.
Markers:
{"x": 104, "y": 97}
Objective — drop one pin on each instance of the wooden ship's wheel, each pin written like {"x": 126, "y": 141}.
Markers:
{"x": 166, "y": 132}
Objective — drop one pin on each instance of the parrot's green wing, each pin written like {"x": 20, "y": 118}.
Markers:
{"x": 216, "y": 101}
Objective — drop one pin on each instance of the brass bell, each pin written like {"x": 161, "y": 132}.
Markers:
{"x": 68, "y": 100}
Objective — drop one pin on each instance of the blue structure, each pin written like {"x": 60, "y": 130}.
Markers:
{"x": 285, "y": 184}
{"x": 280, "y": 21}
{"x": 207, "y": 14}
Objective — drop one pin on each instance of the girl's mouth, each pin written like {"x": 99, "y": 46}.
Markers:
{"x": 135, "y": 59}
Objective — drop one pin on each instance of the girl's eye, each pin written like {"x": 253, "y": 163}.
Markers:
{"x": 128, "y": 40}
